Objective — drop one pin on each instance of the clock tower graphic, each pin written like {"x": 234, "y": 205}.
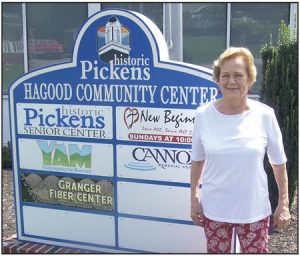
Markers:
{"x": 113, "y": 41}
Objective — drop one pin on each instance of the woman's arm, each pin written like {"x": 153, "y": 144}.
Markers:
{"x": 282, "y": 215}
{"x": 196, "y": 208}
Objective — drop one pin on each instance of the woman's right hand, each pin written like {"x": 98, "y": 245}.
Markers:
{"x": 197, "y": 212}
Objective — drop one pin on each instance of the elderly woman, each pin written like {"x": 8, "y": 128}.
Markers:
{"x": 230, "y": 138}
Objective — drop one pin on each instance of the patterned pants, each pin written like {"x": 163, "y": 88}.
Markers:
{"x": 253, "y": 237}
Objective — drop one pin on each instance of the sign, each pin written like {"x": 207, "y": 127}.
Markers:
{"x": 65, "y": 120}
{"x": 155, "y": 124}
{"x": 66, "y": 156}
{"x": 154, "y": 163}
{"x": 67, "y": 191}
{"x": 102, "y": 144}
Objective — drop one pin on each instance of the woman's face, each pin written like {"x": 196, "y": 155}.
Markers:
{"x": 234, "y": 80}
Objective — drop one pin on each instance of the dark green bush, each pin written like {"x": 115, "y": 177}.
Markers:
{"x": 6, "y": 157}
{"x": 280, "y": 91}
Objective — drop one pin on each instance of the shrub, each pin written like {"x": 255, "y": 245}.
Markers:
{"x": 6, "y": 157}
{"x": 280, "y": 91}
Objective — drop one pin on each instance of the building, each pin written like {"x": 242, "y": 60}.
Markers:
{"x": 36, "y": 35}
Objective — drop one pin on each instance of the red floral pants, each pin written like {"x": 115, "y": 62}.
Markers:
{"x": 253, "y": 237}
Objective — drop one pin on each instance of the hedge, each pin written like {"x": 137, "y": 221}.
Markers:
{"x": 280, "y": 91}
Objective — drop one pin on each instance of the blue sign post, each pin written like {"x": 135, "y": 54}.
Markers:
{"x": 102, "y": 144}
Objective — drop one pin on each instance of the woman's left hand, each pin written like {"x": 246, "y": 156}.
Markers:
{"x": 282, "y": 217}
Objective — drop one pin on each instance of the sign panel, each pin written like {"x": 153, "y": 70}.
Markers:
{"x": 66, "y": 191}
{"x": 98, "y": 229}
{"x": 157, "y": 235}
{"x": 120, "y": 112}
{"x": 154, "y": 163}
{"x": 155, "y": 124}
{"x": 161, "y": 204}
{"x": 65, "y": 156}
{"x": 65, "y": 120}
